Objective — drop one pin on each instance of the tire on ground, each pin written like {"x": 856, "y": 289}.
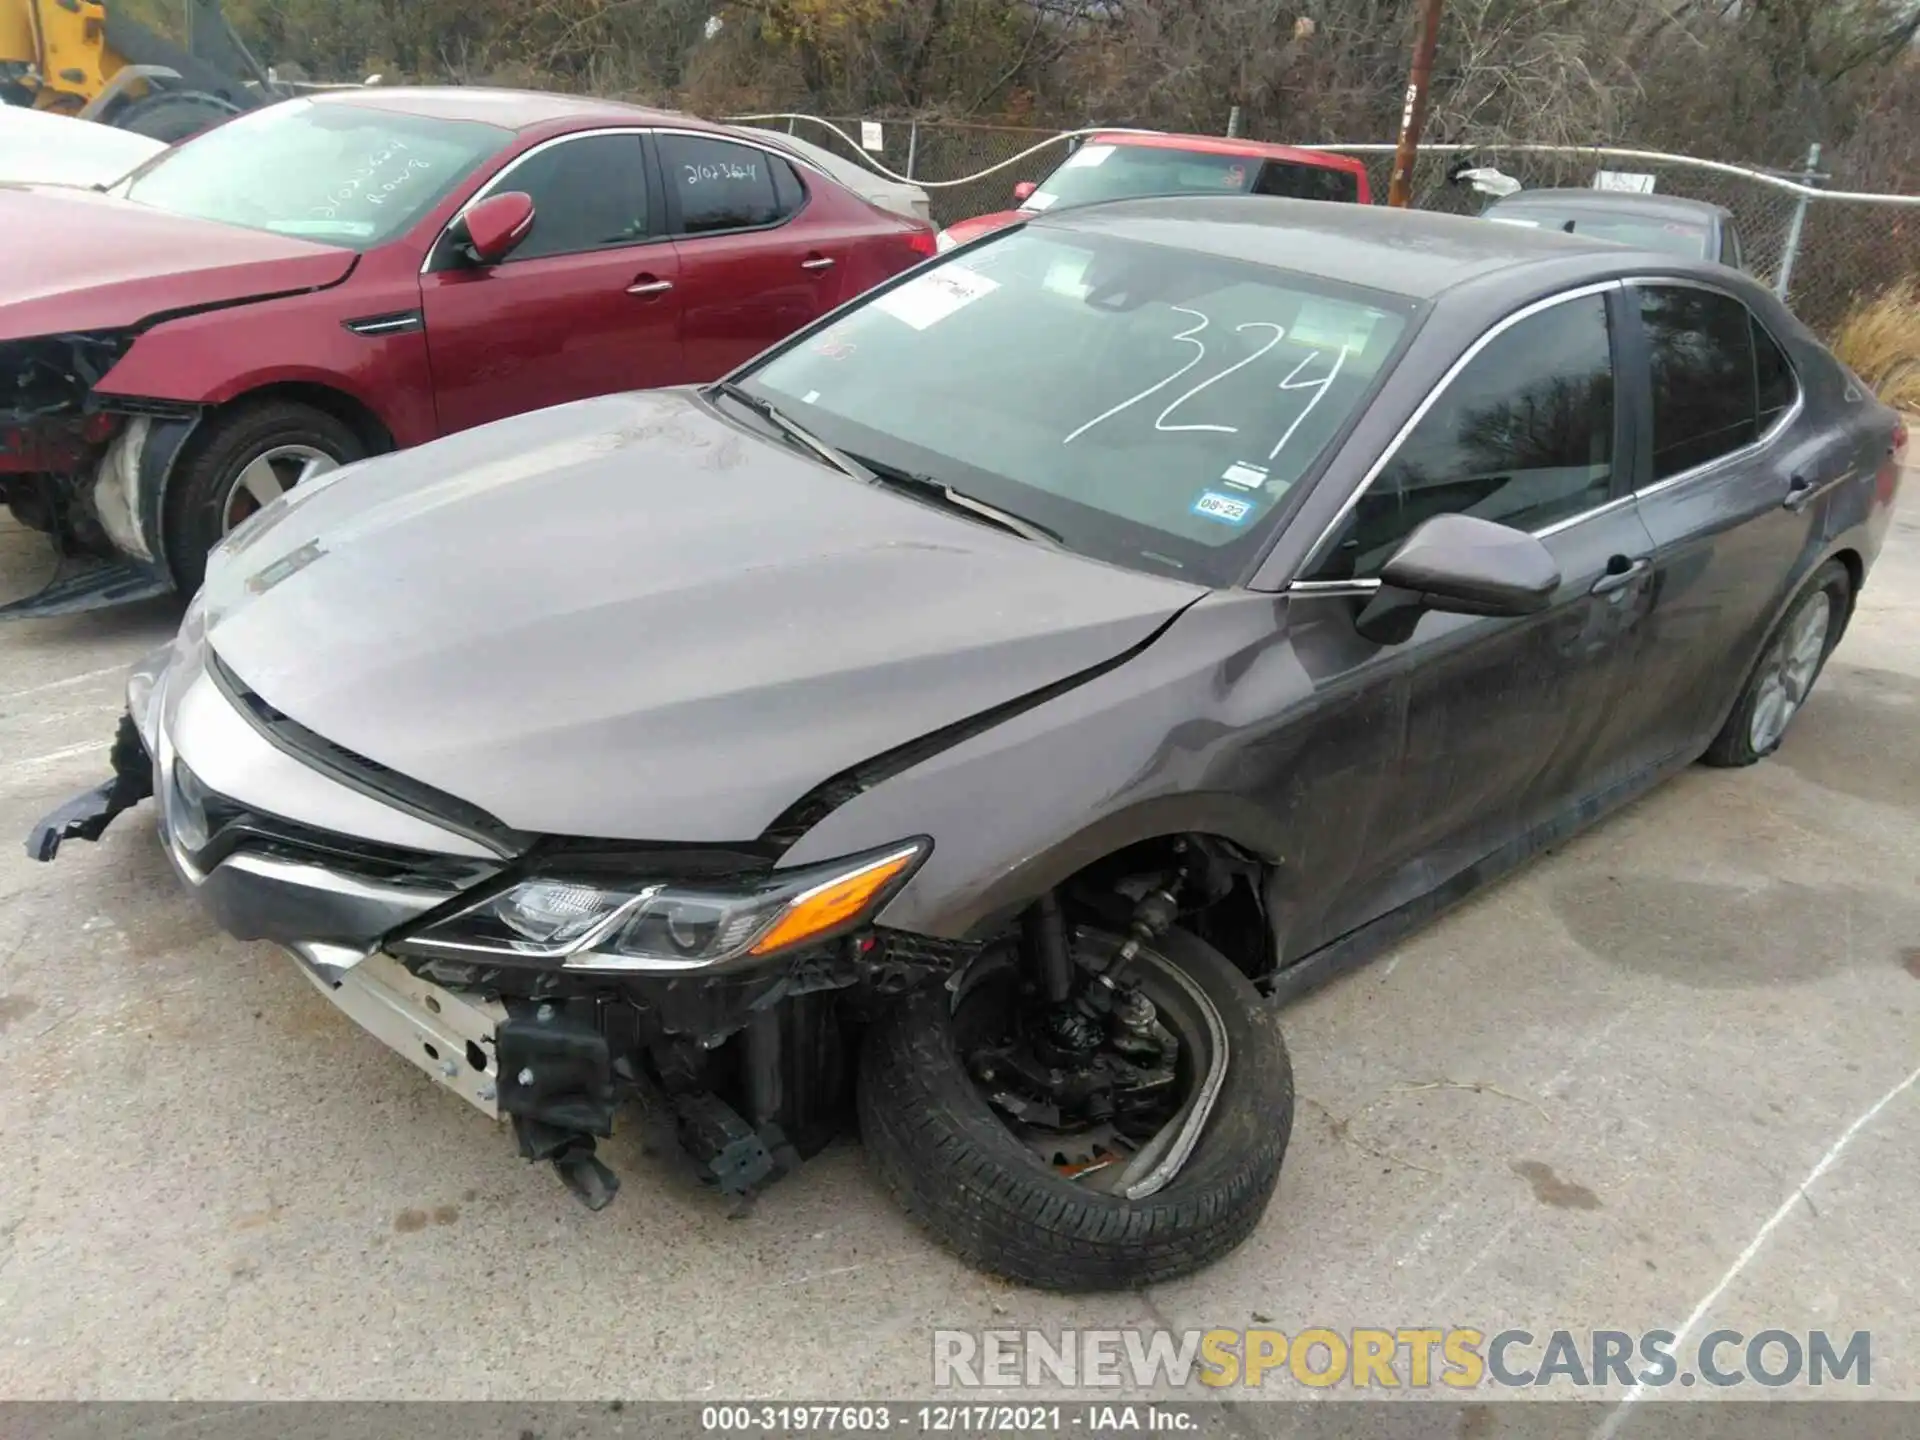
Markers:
{"x": 1733, "y": 746}
{"x": 205, "y": 473}
{"x": 955, "y": 1168}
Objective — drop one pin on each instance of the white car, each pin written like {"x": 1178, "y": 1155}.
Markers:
{"x": 896, "y": 196}
{"x": 44, "y": 149}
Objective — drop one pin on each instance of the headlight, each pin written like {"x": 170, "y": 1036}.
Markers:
{"x": 671, "y": 925}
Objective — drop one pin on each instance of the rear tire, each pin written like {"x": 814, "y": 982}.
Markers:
{"x": 171, "y": 116}
{"x": 953, "y": 1165}
{"x": 1786, "y": 671}
{"x": 202, "y": 498}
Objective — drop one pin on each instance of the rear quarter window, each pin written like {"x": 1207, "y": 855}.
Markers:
{"x": 1307, "y": 182}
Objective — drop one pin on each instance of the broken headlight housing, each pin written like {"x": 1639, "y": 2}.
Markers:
{"x": 612, "y": 928}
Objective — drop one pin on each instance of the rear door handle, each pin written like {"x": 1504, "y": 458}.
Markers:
{"x": 817, "y": 262}
{"x": 649, "y": 285}
{"x": 1619, "y": 579}
{"x": 1800, "y": 489}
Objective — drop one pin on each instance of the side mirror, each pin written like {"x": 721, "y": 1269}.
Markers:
{"x": 1467, "y": 566}
{"x": 1463, "y": 566}
{"x": 489, "y": 231}
{"x": 1023, "y": 190}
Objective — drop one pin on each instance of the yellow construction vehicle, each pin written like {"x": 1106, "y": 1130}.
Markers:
{"x": 82, "y": 57}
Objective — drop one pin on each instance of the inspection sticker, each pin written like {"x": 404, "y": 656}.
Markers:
{"x": 928, "y": 299}
{"x": 1224, "y": 508}
{"x": 1243, "y": 476}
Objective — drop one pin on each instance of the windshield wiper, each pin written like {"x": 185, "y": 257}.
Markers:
{"x": 785, "y": 423}
{"x": 928, "y": 488}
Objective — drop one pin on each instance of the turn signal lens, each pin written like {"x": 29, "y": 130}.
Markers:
{"x": 823, "y": 908}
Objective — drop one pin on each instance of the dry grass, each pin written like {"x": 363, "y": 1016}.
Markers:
{"x": 1879, "y": 340}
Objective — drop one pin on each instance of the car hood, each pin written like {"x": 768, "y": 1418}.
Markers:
{"x": 628, "y": 619}
{"x": 115, "y": 263}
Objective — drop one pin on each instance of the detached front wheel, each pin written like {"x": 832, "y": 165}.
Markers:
{"x": 1028, "y": 1170}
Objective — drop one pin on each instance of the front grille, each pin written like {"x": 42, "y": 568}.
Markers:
{"x": 209, "y": 827}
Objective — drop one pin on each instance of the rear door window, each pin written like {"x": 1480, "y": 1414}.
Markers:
{"x": 1307, "y": 182}
{"x": 1705, "y": 397}
{"x": 718, "y": 185}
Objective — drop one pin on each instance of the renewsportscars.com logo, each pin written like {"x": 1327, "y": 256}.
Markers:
{"x": 1408, "y": 1358}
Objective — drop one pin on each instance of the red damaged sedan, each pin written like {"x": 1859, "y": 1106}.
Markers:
{"x": 352, "y": 272}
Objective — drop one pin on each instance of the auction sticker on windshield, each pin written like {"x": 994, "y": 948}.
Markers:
{"x": 1086, "y": 155}
{"x": 1225, "y": 508}
{"x": 928, "y": 299}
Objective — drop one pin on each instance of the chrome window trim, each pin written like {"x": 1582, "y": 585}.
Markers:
{"x": 1467, "y": 357}
{"x": 1772, "y": 433}
{"x": 1619, "y": 502}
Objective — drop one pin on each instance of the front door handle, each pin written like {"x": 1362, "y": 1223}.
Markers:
{"x": 649, "y": 285}
{"x": 1800, "y": 489}
{"x": 1619, "y": 579}
{"x": 817, "y": 262}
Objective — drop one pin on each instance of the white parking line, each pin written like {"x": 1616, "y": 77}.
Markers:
{"x": 34, "y": 762}
{"x": 1613, "y": 1421}
{"x": 63, "y": 684}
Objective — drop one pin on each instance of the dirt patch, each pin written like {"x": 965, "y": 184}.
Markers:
{"x": 15, "y": 1007}
{"x": 1550, "y": 1189}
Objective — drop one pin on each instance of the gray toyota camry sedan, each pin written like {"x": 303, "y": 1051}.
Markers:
{"x": 976, "y": 713}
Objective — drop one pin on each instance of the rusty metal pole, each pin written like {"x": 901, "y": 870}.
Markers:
{"x": 1414, "y": 115}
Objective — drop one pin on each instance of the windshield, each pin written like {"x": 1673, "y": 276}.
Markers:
{"x": 1114, "y": 172}
{"x": 1643, "y": 232}
{"x": 348, "y": 175}
{"x": 1149, "y": 405}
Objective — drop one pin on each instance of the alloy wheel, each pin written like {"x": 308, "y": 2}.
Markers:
{"x": 1788, "y": 674}
{"x": 267, "y": 477}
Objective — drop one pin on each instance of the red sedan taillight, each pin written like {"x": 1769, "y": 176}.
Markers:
{"x": 922, "y": 242}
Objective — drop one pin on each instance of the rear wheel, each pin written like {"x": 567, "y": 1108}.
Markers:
{"x": 1158, "y": 1187}
{"x": 1791, "y": 662}
{"x": 245, "y": 460}
{"x": 174, "y": 115}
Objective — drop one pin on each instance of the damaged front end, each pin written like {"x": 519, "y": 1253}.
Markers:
{"x": 84, "y": 472}
{"x": 545, "y": 981}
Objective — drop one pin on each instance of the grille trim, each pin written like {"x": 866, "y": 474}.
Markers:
{"x": 369, "y": 777}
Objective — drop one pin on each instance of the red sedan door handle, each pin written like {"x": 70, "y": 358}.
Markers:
{"x": 817, "y": 262}
{"x": 649, "y": 284}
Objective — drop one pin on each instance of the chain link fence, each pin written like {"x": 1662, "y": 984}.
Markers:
{"x": 1830, "y": 249}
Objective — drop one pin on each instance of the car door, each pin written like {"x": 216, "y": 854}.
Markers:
{"x": 1501, "y": 720}
{"x": 1726, "y": 495}
{"x": 585, "y": 305}
{"x": 753, "y": 268}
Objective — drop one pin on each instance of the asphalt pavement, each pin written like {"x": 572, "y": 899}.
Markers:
{"x": 1661, "y": 1079}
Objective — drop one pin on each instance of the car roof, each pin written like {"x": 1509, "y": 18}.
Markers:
{"x": 509, "y": 109}
{"x": 1674, "y": 207}
{"x": 1414, "y": 253}
{"x": 1226, "y": 145}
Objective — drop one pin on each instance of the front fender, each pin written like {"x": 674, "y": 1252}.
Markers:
{"x": 217, "y": 356}
{"x": 1194, "y": 735}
